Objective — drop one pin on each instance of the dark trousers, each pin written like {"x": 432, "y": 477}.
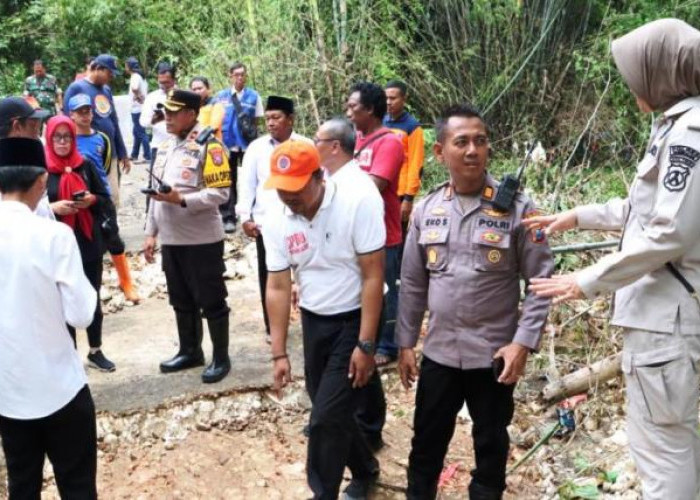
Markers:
{"x": 228, "y": 209}
{"x": 194, "y": 275}
{"x": 68, "y": 437}
{"x": 140, "y": 138}
{"x": 335, "y": 439}
{"x": 262, "y": 278}
{"x": 93, "y": 271}
{"x": 387, "y": 344}
{"x": 113, "y": 241}
{"x": 370, "y": 414}
{"x": 441, "y": 393}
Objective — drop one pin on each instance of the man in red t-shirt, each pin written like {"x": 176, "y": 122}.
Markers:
{"x": 380, "y": 153}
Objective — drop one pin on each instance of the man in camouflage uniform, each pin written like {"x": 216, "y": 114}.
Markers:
{"x": 44, "y": 88}
{"x": 186, "y": 219}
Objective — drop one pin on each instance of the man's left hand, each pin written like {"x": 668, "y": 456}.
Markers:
{"x": 562, "y": 287}
{"x": 126, "y": 165}
{"x": 514, "y": 358}
{"x": 406, "y": 209}
{"x": 361, "y": 368}
{"x": 173, "y": 197}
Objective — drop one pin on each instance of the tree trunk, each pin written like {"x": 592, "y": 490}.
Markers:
{"x": 583, "y": 379}
{"x": 321, "y": 46}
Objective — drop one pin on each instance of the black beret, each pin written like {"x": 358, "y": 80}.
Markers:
{"x": 275, "y": 102}
{"x": 21, "y": 152}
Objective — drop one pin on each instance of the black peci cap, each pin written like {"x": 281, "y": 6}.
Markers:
{"x": 21, "y": 152}
{"x": 277, "y": 103}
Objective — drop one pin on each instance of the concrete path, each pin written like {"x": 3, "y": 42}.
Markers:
{"x": 137, "y": 338}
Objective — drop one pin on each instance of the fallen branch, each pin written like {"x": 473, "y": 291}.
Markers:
{"x": 582, "y": 247}
{"x": 583, "y": 379}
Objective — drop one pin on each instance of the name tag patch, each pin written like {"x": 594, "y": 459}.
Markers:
{"x": 494, "y": 224}
{"x": 436, "y": 221}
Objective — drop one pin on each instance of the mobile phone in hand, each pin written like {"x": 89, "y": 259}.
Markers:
{"x": 78, "y": 195}
{"x": 148, "y": 191}
{"x": 498, "y": 364}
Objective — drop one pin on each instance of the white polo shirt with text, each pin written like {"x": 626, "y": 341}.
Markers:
{"x": 323, "y": 252}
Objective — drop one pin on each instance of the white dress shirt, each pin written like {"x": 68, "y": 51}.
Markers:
{"x": 160, "y": 134}
{"x": 253, "y": 199}
{"x": 43, "y": 287}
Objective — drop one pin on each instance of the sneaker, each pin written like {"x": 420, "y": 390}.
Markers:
{"x": 98, "y": 360}
{"x": 229, "y": 227}
{"x": 359, "y": 489}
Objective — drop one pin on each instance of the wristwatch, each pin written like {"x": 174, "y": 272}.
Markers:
{"x": 367, "y": 346}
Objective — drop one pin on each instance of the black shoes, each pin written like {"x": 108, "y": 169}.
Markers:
{"x": 359, "y": 489}
{"x": 99, "y": 361}
{"x": 182, "y": 362}
{"x": 221, "y": 363}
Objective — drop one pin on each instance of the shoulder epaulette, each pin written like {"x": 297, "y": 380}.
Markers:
{"x": 438, "y": 187}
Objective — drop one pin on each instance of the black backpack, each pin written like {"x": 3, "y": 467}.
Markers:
{"x": 246, "y": 124}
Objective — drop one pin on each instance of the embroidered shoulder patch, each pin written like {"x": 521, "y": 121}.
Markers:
{"x": 682, "y": 159}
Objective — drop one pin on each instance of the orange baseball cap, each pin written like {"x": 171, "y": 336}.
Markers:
{"x": 291, "y": 166}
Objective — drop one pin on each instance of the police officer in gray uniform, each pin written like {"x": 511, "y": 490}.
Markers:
{"x": 463, "y": 261}
{"x": 186, "y": 219}
{"x": 656, "y": 271}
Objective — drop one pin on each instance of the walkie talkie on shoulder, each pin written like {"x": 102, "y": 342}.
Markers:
{"x": 204, "y": 136}
{"x": 510, "y": 185}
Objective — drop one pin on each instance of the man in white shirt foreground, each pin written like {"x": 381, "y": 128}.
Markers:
{"x": 46, "y": 407}
{"x": 335, "y": 143}
{"x": 334, "y": 239}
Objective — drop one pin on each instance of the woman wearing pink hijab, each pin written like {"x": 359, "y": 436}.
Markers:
{"x": 78, "y": 197}
{"x": 656, "y": 272}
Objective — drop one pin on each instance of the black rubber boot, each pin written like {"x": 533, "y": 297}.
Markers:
{"x": 421, "y": 491}
{"x": 189, "y": 330}
{"x": 221, "y": 364}
{"x": 480, "y": 492}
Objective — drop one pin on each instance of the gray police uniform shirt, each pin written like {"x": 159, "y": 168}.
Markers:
{"x": 180, "y": 163}
{"x": 661, "y": 223}
{"x": 465, "y": 267}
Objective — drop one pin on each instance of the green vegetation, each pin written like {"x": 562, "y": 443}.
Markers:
{"x": 539, "y": 68}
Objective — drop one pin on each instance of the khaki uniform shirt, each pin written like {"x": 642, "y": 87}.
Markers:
{"x": 180, "y": 163}
{"x": 465, "y": 268}
{"x": 661, "y": 222}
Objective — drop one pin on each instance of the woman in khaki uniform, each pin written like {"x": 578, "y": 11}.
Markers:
{"x": 656, "y": 271}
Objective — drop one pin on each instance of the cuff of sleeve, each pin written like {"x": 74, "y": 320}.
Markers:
{"x": 407, "y": 197}
{"x": 587, "y": 280}
{"x": 405, "y": 340}
{"x": 528, "y": 338}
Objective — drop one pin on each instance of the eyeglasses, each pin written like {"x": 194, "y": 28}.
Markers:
{"x": 62, "y": 138}
{"x": 317, "y": 140}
